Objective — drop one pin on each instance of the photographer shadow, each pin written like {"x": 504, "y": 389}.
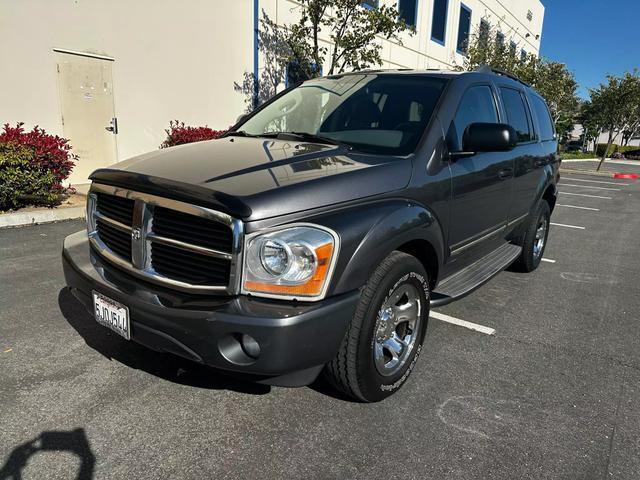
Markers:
{"x": 74, "y": 441}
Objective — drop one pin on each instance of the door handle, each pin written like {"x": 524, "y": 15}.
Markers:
{"x": 540, "y": 163}
{"x": 504, "y": 174}
{"x": 113, "y": 126}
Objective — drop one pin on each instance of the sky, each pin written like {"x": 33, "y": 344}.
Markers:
{"x": 593, "y": 38}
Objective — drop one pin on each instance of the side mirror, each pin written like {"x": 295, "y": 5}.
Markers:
{"x": 487, "y": 137}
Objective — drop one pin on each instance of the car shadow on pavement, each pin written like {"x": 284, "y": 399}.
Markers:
{"x": 163, "y": 365}
{"x": 74, "y": 441}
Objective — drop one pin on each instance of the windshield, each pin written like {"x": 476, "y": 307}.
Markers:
{"x": 372, "y": 113}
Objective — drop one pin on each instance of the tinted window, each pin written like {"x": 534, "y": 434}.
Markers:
{"x": 464, "y": 27}
{"x": 408, "y": 10}
{"x": 477, "y": 105}
{"x": 439, "y": 25}
{"x": 544, "y": 118}
{"x": 374, "y": 113}
{"x": 500, "y": 40}
{"x": 516, "y": 113}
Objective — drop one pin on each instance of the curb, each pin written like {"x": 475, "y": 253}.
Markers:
{"x": 574, "y": 171}
{"x": 37, "y": 217}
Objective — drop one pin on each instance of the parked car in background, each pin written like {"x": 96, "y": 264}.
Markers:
{"x": 317, "y": 234}
{"x": 573, "y": 146}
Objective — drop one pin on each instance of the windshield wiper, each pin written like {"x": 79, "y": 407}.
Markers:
{"x": 238, "y": 133}
{"x": 309, "y": 137}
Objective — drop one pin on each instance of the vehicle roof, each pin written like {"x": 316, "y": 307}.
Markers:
{"x": 482, "y": 72}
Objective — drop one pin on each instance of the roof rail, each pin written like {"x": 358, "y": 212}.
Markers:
{"x": 496, "y": 71}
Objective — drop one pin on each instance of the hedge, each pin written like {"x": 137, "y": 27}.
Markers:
{"x": 178, "y": 134}
{"x": 614, "y": 149}
{"x": 33, "y": 167}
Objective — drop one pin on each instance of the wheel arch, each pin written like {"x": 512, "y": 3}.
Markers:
{"x": 401, "y": 225}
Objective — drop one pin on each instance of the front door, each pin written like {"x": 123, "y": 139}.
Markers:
{"x": 482, "y": 182}
{"x": 86, "y": 99}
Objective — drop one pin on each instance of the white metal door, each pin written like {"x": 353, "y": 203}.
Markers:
{"x": 88, "y": 113}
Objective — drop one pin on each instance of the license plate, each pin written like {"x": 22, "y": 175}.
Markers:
{"x": 112, "y": 314}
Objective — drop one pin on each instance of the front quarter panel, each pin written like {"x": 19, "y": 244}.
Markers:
{"x": 369, "y": 233}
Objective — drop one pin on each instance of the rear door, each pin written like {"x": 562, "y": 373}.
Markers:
{"x": 481, "y": 183}
{"x": 528, "y": 162}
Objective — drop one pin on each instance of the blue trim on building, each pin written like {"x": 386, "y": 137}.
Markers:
{"x": 256, "y": 52}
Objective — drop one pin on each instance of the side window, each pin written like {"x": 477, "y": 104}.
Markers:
{"x": 477, "y": 105}
{"x": 517, "y": 113}
{"x": 544, "y": 118}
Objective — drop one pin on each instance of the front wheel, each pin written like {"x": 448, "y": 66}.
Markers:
{"x": 385, "y": 336}
{"x": 535, "y": 239}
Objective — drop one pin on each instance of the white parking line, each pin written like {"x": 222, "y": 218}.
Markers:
{"x": 595, "y": 181}
{"x": 568, "y": 226}
{"x": 548, "y": 260}
{"x": 576, "y": 206}
{"x": 589, "y": 187}
{"x": 462, "y": 323}
{"x": 585, "y": 195}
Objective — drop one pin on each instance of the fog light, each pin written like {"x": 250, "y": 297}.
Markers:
{"x": 250, "y": 346}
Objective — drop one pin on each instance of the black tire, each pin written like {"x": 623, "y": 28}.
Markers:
{"x": 354, "y": 371}
{"x": 528, "y": 260}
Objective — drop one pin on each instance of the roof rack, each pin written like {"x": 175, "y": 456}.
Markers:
{"x": 497, "y": 71}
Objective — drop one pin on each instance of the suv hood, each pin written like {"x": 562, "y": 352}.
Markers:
{"x": 256, "y": 178}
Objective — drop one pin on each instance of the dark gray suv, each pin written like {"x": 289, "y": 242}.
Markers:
{"x": 319, "y": 231}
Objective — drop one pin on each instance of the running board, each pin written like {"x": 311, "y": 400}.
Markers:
{"x": 468, "y": 279}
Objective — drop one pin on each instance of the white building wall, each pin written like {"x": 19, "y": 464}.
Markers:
{"x": 179, "y": 60}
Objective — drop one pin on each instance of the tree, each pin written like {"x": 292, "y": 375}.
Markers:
{"x": 351, "y": 29}
{"x": 552, "y": 80}
{"x": 614, "y": 105}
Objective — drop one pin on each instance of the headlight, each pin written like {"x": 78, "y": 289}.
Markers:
{"x": 294, "y": 262}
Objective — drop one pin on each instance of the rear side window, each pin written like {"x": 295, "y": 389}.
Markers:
{"x": 544, "y": 118}
{"x": 517, "y": 116}
{"x": 477, "y": 105}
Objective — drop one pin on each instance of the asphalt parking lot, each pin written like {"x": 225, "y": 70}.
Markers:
{"x": 553, "y": 393}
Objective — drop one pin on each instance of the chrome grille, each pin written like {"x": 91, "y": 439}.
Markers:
{"x": 168, "y": 242}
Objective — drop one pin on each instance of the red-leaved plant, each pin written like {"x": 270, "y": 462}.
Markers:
{"x": 50, "y": 152}
{"x": 33, "y": 167}
{"x": 178, "y": 134}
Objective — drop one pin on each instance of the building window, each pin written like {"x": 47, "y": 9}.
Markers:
{"x": 512, "y": 48}
{"x": 408, "y": 11}
{"x": 370, "y": 4}
{"x": 483, "y": 33}
{"x": 523, "y": 55}
{"x": 439, "y": 24}
{"x": 529, "y": 15}
{"x": 500, "y": 40}
{"x": 464, "y": 27}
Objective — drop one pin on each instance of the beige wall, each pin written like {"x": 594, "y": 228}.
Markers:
{"x": 172, "y": 60}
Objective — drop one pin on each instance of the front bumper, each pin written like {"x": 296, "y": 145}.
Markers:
{"x": 295, "y": 339}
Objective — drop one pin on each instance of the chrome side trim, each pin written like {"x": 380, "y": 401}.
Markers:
{"x": 517, "y": 220}
{"x": 491, "y": 232}
{"x": 143, "y": 236}
{"x": 152, "y": 237}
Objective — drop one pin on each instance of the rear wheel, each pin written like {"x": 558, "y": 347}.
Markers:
{"x": 385, "y": 336}
{"x": 534, "y": 240}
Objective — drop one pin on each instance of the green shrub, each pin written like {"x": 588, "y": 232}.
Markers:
{"x": 576, "y": 155}
{"x": 614, "y": 149}
{"x": 23, "y": 183}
